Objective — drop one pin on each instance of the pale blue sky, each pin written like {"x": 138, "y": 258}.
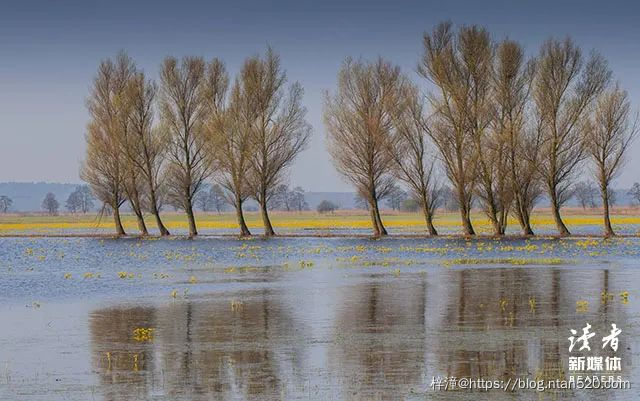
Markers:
{"x": 49, "y": 52}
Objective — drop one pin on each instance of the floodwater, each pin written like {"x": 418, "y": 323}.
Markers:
{"x": 309, "y": 319}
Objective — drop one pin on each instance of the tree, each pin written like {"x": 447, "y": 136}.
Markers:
{"x": 282, "y": 198}
{"x": 212, "y": 199}
{"x": 279, "y": 129}
{"x": 296, "y": 199}
{"x": 72, "y": 203}
{"x": 513, "y": 80}
{"x": 326, "y": 207}
{"x": 188, "y": 97}
{"x": 50, "y": 204}
{"x": 564, "y": 89}
{"x": 229, "y": 134}
{"x": 395, "y": 197}
{"x": 360, "y": 127}
{"x": 361, "y": 202}
{"x": 5, "y": 203}
{"x": 608, "y": 140}
{"x": 446, "y": 63}
{"x": 145, "y": 146}
{"x": 104, "y": 165}
{"x": 634, "y": 192}
{"x": 412, "y": 162}
{"x": 585, "y": 193}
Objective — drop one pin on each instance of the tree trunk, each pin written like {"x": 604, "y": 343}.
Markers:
{"x": 268, "y": 228}
{"x": 376, "y": 212}
{"x": 555, "y": 210}
{"x": 464, "y": 213}
{"x": 374, "y": 222}
{"x": 192, "y": 220}
{"x": 156, "y": 213}
{"x": 523, "y": 218}
{"x": 244, "y": 230}
{"x": 118, "y": 222}
{"x": 428, "y": 218}
{"x": 608, "y": 230}
{"x": 142, "y": 227}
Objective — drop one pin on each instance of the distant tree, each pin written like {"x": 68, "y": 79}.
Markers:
{"x": 395, "y": 197}
{"x": 80, "y": 200}
{"x": 634, "y": 192}
{"x": 410, "y": 205}
{"x": 72, "y": 203}
{"x": 612, "y": 195}
{"x": 585, "y": 193}
{"x": 281, "y": 198}
{"x": 327, "y": 207}
{"x": 50, "y": 204}
{"x": 218, "y": 199}
{"x": 609, "y": 138}
{"x": 361, "y": 202}
{"x": 5, "y": 203}
{"x": 297, "y": 201}
{"x": 449, "y": 199}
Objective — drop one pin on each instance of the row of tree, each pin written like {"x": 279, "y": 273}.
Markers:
{"x": 504, "y": 129}
{"x": 244, "y": 134}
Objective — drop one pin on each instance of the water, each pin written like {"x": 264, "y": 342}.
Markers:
{"x": 307, "y": 319}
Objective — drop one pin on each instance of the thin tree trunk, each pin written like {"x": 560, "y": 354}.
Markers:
{"x": 608, "y": 230}
{"x": 376, "y": 212}
{"x": 428, "y": 217}
{"x": 555, "y": 210}
{"x": 464, "y": 212}
{"x": 374, "y": 222}
{"x": 142, "y": 227}
{"x": 268, "y": 228}
{"x": 156, "y": 213}
{"x": 191, "y": 218}
{"x": 244, "y": 230}
{"x": 118, "y": 222}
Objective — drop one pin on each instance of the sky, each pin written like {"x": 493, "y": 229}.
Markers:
{"x": 49, "y": 52}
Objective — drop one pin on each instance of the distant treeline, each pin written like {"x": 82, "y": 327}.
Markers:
{"x": 491, "y": 127}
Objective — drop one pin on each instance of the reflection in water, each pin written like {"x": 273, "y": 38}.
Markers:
{"x": 377, "y": 337}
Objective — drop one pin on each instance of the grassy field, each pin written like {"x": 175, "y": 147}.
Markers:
{"x": 290, "y": 222}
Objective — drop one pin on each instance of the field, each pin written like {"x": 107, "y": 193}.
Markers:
{"x": 625, "y": 221}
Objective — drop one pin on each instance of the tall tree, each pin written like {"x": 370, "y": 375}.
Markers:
{"x": 104, "y": 165}
{"x": 564, "y": 88}
{"x": 279, "y": 132}
{"x": 513, "y": 79}
{"x": 133, "y": 185}
{"x": 447, "y": 62}
{"x": 359, "y": 120}
{"x": 185, "y": 105}
{"x": 412, "y": 162}
{"x": 230, "y": 143}
{"x": 608, "y": 141}
{"x": 144, "y": 146}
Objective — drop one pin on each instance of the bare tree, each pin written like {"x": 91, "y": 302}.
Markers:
{"x": 634, "y": 192}
{"x": 360, "y": 127}
{"x": 585, "y": 193}
{"x": 5, "y": 203}
{"x": 279, "y": 132}
{"x": 412, "y": 162}
{"x": 50, "y": 204}
{"x": 104, "y": 165}
{"x": 395, "y": 197}
{"x": 125, "y": 71}
{"x": 513, "y": 79}
{"x": 564, "y": 89}
{"x": 185, "y": 105}
{"x": 230, "y": 143}
{"x": 609, "y": 138}
{"x": 144, "y": 146}
{"x": 445, "y": 62}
